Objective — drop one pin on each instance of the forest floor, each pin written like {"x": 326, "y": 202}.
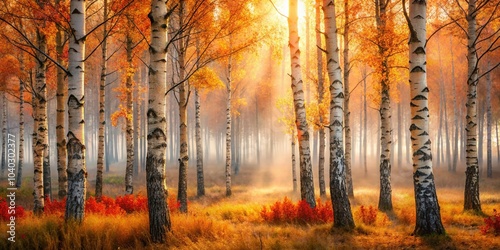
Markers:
{"x": 219, "y": 222}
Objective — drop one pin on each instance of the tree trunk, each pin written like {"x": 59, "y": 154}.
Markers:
{"x": 102, "y": 107}
{"x": 199, "y": 147}
{"x": 40, "y": 124}
{"x": 306, "y": 175}
{"x": 498, "y": 143}
{"x": 47, "y": 181}
{"x": 385, "y": 198}
{"x": 129, "y": 170}
{"x": 489, "y": 170}
{"x": 294, "y": 169}
{"x": 347, "y": 112}
{"x": 4, "y": 131}
{"x": 428, "y": 216}
{"x": 228, "y": 128}
{"x": 183, "y": 102}
{"x": 400, "y": 134}
{"x": 159, "y": 216}
{"x": 456, "y": 148}
{"x": 77, "y": 171}
{"x": 20, "y": 162}
{"x": 321, "y": 93}
{"x": 471, "y": 200}
{"x": 61, "y": 96}
{"x": 365, "y": 122}
{"x": 257, "y": 137}
{"x": 338, "y": 191}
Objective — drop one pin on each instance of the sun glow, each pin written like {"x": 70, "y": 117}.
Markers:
{"x": 282, "y": 7}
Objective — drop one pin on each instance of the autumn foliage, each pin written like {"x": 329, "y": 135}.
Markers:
{"x": 368, "y": 215}
{"x": 300, "y": 213}
{"x": 4, "y": 211}
{"x": 492, "y": 224}
{"x": 107, "y": 206}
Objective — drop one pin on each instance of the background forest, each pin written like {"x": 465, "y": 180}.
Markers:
{"x": 81, "y": 93}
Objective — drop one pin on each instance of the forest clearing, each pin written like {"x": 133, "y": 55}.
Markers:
{"x": 218, "y": 222}
{"x": 250, "y": 124}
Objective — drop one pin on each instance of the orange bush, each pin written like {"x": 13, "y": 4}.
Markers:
{"x": 367, "y": 215}
{"x": 492, "y": 224}
{"x": 302, "y": 213}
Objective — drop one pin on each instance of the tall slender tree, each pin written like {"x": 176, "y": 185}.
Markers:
{"x": 77, "y": 170}
{"x": 306, "y": 175}
{"x": 61, "y": 98}
{"x": 347, "y": 94}
{"x": 102, "y": 106}
{"x": 428, "y": 213}
{"x": 40, "y": 123}
{"x": 321, "y": 93}
{"x": 338, "y": 191}
{"x": 159, "y": 216}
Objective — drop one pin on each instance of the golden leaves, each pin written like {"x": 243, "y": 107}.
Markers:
{"x": 207, "y": 79}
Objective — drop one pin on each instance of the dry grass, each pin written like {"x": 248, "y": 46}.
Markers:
{"x": 217, "y": 222}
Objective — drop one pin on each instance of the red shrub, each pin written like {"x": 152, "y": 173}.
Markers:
{"x": 324, "y": 211}
{"x": 287, "y": 212}
{"x": 18, "y": 212}
{"x": 367, "y": 215}
{"x": 492, "y": 224}
{"x": 173, "y": 204}
{"x": 55, "y": 206}
{"x": 131, "y": 203}
{"x": 94, "y": 207}
{"x": 305, "y": 213}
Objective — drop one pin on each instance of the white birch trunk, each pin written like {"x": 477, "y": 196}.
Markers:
{"x": 199, "y": 147}
{"x": 183, "y": 102}
{"x": 428, "y": 214}
{"x": 338, "y": 190}
{"x": 20, "y": 162}
{"x": 228, "y": 129}
{"x": 159, "y": 216}
{"x": 129, "y": 170}
{"x": 61, "y": 96}
{"x": 321, "y": 93}
{"x": 471, "y": 200}
{"x": 77, "y": 171}
{"x": 102, "y": 107}
{"x": 40, "y": 124}
{"x": 456, "y": 148}
{"x": 489, "y": 169}
{"x": 306, "y": 174}
{"x": 4, "y": 131}
{"x": 347, "y": 112}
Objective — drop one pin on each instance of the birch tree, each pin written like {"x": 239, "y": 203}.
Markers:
{"x": 20, "y": 162}
{"x": 40, "y": 123}
{"x": 102, "y": 105}
{"x": 77, "y": 171}
{"x": 61, "y": 98}
{"x": 428, "y": 216}
{"x": 321, "y": 93}
{"x": 338, "y": 191}
{"x": 306, "y": 175}
{"x": 159, "y": 216}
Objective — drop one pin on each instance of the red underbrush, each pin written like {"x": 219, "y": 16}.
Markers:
{"x": 106, "y": 206}
{"x": 492, "y": 224}
{"x": 7, "y": 210}
{"x": 301, "y": 213}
